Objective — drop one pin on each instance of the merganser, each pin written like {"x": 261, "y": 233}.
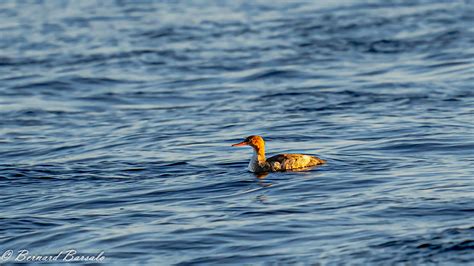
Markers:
{"x": 280, "y": 162}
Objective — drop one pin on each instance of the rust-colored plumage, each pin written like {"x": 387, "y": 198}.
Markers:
{"x": 280, "y": 162}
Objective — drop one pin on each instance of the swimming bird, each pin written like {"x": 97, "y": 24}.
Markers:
{"x": 280, "y": 162}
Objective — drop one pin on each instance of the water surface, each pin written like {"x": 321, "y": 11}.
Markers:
{"x": 117, "y": 119}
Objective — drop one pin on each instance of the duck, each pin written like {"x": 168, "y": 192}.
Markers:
{"x": 281, "y": 162}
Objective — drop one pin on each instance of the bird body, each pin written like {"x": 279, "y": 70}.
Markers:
{"x": 281, "y": 162}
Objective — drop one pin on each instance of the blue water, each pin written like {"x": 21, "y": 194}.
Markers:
{"x": 116, "y": 120}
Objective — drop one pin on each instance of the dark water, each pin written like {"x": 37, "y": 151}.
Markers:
{"x": 116, "y": 119}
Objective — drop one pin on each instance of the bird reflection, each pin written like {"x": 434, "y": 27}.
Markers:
{"x": 261, "y": 175}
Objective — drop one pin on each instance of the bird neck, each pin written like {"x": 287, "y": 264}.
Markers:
{"x": 259, "y": 153}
